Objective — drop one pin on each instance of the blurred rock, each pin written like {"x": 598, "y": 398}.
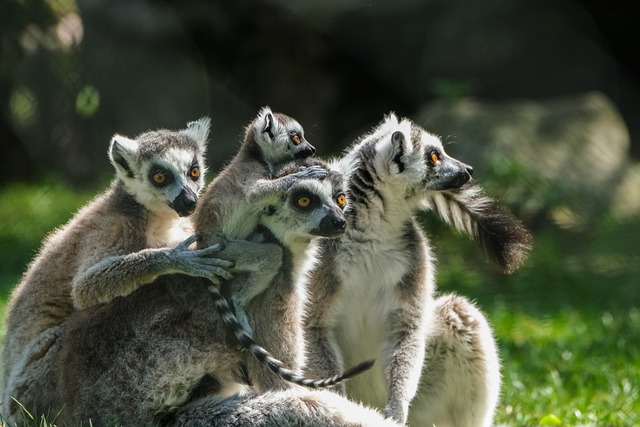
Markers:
{"x": 563, "y": 158}
{"x": 626, "y": 198}
{"x": 127, "y": 66}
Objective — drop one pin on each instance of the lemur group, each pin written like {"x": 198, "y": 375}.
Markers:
{"x": 294, "y": 291}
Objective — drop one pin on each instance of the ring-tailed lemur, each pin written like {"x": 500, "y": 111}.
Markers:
{"x": 121, "y": 240}
{"x": 372, "y": 293}
{"x": 270, "y": 140}
{"x": 171, "y": 345}
{"x": 231, "y": 207}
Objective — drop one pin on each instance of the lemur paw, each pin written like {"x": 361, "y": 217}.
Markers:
{"x": 311, "y": 172}
{"x": 202, "y": 262}
{"x": 396, "y": 414}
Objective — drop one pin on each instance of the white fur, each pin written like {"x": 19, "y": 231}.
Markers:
{"x": 375, "y": 288}
{"x": 199, "y": 131}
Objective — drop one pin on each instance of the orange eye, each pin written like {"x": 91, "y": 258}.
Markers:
{"x": 304, "y": 202}
{"x": 296, "y": 138}
{"x": 342, "y": 200}
{"x": 434, "y": 158}
{"x": 160, "y": 177}
{"x": 195, "y": 172}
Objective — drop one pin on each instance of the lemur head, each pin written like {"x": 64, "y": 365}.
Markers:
{"x": 163, "y": 169}
{"x": 399, "y": 159}
{"x": 310, "y": 208}
{"x": 413, "y": 155}
{"x": 279, "y": 137}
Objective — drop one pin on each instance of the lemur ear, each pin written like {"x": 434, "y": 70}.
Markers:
{"x": 398, "y": 142}
{"x": 199, "y": 132}
{"x": 265, "y": 122}
{"x": 122, "y": 153}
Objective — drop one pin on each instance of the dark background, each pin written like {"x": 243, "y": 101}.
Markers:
{"x": 337, "y": 66}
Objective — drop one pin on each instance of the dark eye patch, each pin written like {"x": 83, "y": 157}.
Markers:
{"x": 304, "y": 200}
{"x": 160, "y": 176}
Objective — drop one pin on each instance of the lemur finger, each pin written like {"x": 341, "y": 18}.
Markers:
{"x": 220, "y": 272}
{"x": 183, "y": 246}
{"x": 217, "y": 262}
{"x": 315, "y": 172}
{"x": 215, "y": 281}
{"x": 210, "y": 250}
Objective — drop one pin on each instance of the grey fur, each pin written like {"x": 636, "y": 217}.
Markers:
{"x": 503, "y": 238}
{"x": 372, "y": 294}
{"x": 137, "y": 359}
{"x": 231, "y": 209}
{"x": 292, "y": 407}
{"x": 121, "y": 240}
{"x": 460, "y": 383}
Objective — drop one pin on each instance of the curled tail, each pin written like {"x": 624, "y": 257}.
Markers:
{"x": 232, "y": 323}
{"x": 502, "y": 237}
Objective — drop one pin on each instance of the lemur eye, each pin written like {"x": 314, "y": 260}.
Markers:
{"x": 304, "y": 201}
{"x": 296, "y": 138}
{"x": 195, "y": 172}
{"x": 434, "y": 158}
{"x": 342, "y": 200}
{"x": 160, "y": 177}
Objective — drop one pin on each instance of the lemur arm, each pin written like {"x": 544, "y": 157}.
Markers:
{"x": 263, "y": 190}
{"x": 119, "y": 275}
{"x": 403, "y": 361}
{"x": 323, "y": 355}
{"x": 261, "y": 261}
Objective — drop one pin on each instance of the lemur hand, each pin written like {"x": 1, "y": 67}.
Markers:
{"x": 201, "y": 262}
{"x": 311, "y": 172}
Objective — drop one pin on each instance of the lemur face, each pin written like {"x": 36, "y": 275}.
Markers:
{"x": 280, "y": 137}
{"x": 311, "y": 207}
{"x": 417, "y": 160}
{"x": 163, "y": 170}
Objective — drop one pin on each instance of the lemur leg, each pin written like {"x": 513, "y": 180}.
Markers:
{"x": 460, "y": 384}
{"x": 32, "y": 381}
{"x": 261, "y": 261}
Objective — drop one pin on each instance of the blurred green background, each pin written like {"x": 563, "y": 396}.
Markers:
{"x": 541, "y": 97}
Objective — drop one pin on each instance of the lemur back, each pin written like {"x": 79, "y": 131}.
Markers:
{"x": 121, "y": 240}
{"x": 172, "y": 347}
{"x": 372, "y": 294}
{"x": 231, "y": 209}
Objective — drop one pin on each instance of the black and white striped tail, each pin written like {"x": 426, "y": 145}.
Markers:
{"x": 231, "y": 322}
{"x": 502, "y": 237}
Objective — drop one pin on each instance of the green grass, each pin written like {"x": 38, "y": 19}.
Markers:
{"x": 28, "y": 212}
{"x": 579, "y": 367}
{"x": 567, "y": 324}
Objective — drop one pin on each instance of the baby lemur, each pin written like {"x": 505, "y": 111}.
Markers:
{"x": 172, "y": 347}
{"x": 372, "y": 294}
{"x": 270, "y": 140}
{"x": 122, "y": 239}
{"x": 231, "y": 207}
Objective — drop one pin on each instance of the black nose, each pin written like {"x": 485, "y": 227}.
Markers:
{"x": 307, "y": 151}
{"x": 185, "y": 203}
{"x": 469, "y": 170}
{"x": 332, "y": 225}
{"x": 339, "y": 223}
